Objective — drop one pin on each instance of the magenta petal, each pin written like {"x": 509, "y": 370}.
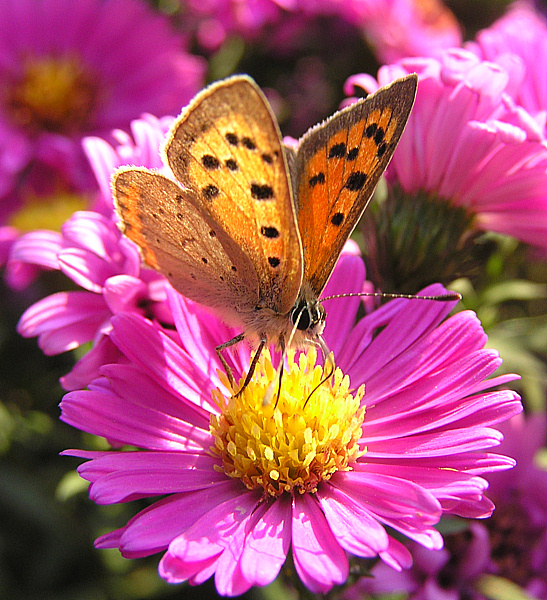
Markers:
{"x": 139, "y": 420}
{"x": 121, "y": 477}
{"x": 153, "y": 529}
{"x": 64, "y": 320}
{"x": 38, "y": 247}
{"x": 87, "y": 368}
{"x": 319, "y": 559}
{"x": 407, "y": 507}
{"x": 163, "y": 359}
{"x": 229, "y": 579}
{"x": 201, "y": 332}
{"x": 86, "y": 269}
{"x": 347, "y": 277}
{"x": 396, "y": 556}
{"x": 354, "y": 527}
{"x": 268, "y": 543}
{"x": 209, "y": 536}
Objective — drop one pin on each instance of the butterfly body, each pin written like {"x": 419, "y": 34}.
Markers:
{"x": 248, "y": 226}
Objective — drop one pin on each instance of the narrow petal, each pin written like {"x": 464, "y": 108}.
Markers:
{"x": 319, "y": 559}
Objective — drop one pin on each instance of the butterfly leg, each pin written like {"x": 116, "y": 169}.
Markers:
{"x": 219, "y": 349}
{"x": 252, "y": 366}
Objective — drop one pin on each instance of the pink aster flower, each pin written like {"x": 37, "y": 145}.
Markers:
{"x": 518, "y": 42}
{"x": 36, "y": 250}
{"x": 470, "y": 160}
{"x": 92, "y": 252}
{"x": 71, "y": 69}
{"x": 401, "y": 28}
{"x": 319, "y": 473}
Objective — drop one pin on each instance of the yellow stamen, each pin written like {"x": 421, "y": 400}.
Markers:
{"x": 295, "y": 442}
{"x": 54, "y": 94}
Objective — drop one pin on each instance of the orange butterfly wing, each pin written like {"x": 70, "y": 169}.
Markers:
{"x": 337, "y": 167}
{"x": 226, "y": 150}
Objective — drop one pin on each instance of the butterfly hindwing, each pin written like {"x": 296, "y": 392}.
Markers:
{"x": 181, "y": 241}
{"x": 337, "y": 168}
{"x": 225, "y": 148}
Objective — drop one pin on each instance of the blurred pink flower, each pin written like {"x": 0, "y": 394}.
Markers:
{"x": 467, "y": 144}
{"x": 399, "y": 29}
{"x": 512, "y": 544}
{"x": 394, "y": 28}
{"x": 518, "y": 42}
{"x": 71, "y": 69}
{"x": 91, "y": 251}
{"x": 243, "y": 483}
{"x": 518, "y": 527}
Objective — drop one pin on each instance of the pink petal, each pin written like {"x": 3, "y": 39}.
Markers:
{"x": 354, "y": 527}
{"x": 209, "y": 535}
{"x": 319, "y": 559}
{"x": 268, "y": 543}
{"x": 153, "y": 529}
{"x": 121, "y": 477}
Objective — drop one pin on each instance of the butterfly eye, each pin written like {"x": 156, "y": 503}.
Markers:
{"x": 300, "y": 316}
{"x": 308, "y": 315}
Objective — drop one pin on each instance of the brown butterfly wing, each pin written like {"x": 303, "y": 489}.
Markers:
{"x": 182, "y": 242}
{"x": 337, "y": 168}
{"x": 226, "y": 149}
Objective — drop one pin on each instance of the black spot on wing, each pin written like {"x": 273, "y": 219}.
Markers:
{"x": 210, "y": 192}
{"x": 353, "y": 153}
{"x": 338, "y": 150}
{"x": 248, "y": 143}
{"x": 356, "y": 181}
{"x": 337, "y": 219}
{"x": 261, "y": 192}
{"x": 381, "y": 150}
{"x": 210, "y": 162}
{"x": 317, "y": 179}
{"x": 269, "y": 232}
{"x": 232, "y": 139}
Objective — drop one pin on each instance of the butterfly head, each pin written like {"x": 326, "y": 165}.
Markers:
{"x": 308, "y": 316}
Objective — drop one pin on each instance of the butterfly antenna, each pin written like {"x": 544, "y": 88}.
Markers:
{"x": 449, "y": 297}
{"x": 327, "y": 358}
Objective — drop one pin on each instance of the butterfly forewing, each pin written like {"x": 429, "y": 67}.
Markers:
{"x": 337, "y": 168}
{"x": 184, "y": 243}
{"x": 226, "y": 149}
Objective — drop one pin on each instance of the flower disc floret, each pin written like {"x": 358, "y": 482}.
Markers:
{"x": 298, "y": 440}
{"x": 55, "y": 94}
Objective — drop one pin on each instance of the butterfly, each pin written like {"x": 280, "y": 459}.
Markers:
{"x": 249, "y": 226}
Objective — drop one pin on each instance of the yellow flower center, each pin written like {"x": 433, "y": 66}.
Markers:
{"x": 54, "y": 94}
{"x": 299, "y": 439}
{"x": 47, "y": 212}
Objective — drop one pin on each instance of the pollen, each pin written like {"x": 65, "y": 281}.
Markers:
{"x": 54, "y": 94}
{"x": 298, "y": 440}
